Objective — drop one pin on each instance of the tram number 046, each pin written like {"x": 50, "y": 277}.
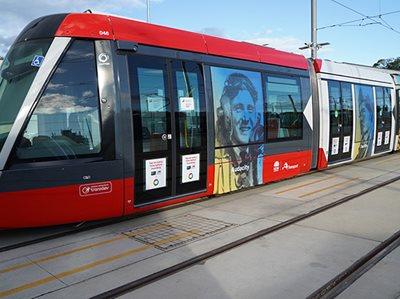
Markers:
{"x": 106, "y": 33}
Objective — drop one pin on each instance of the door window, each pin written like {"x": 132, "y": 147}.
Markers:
{"x": 380, "y": 104}
{"x": 347, "y": 108}
{"x": 188, "y": 104}
{"x": 154, "y": 106}
{"x": 387, "y": 107}
{"x": 335, "y": 107}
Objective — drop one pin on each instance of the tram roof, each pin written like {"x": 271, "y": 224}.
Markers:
{"x": 117, "y": 28}
{"x": 350, "y": 70}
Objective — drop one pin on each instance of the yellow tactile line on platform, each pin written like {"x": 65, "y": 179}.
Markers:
{"x": 89, "y": 266}
{"x": 52, "y": 257}
{"x": 304, "y": 185}
{"x": 327, "y": 188}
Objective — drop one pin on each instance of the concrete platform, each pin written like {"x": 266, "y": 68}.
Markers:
{"x": 290, "y": 263}
{"x": 381, "y": 282}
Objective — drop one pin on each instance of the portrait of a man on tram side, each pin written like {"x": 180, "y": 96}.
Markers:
{"x": 364, "y": 120}
{"x": 239, "y": 130}
{"x": 239, "y": 122}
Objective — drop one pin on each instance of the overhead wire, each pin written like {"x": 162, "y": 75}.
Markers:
{"x": 357, "y": 20}
{"x": 389, "y": 26}
{"x": 373, "y": 20}
{"x": 353, "y": 10}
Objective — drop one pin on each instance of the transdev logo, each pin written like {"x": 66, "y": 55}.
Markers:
{"x": 95, "y": 189}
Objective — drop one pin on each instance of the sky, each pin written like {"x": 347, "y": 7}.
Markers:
{"x": 283, "y": 24}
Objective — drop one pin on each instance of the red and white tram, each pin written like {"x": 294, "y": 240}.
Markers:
{"x": 102, "y": 116}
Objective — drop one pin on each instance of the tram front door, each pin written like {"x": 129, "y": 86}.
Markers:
{"x": 169, "y": 123}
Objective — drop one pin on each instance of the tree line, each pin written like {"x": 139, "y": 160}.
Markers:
{"x": 388, "y": 63}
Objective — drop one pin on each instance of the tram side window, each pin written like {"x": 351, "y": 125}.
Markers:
{"x": 284, "y": 108}
{"x": 66, "y": 122}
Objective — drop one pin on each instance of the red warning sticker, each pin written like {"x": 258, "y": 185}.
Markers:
{"x": 95, "y": 189}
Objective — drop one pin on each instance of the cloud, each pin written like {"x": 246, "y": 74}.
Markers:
{"x": 15, "y": 15}
{"x": 5, "y": 43}
{"x": 214, "y": 31}
{"x": 59, "y": 103}
{"x": 326, "y": 51}
{"x": 289, "y": 44}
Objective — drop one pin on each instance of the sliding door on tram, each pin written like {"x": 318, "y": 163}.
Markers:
{"x": 169, "y": 121}
{"x": 397, "y": 146}
{"x": 383, "y": 119}
{"x": 340, "y": 121}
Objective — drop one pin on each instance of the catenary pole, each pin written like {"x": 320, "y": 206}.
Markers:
{"x": 148, "y": 11}
{"x": 314, "y": 44}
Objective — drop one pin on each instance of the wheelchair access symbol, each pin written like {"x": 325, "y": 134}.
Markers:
{"x": 37, "y": 60}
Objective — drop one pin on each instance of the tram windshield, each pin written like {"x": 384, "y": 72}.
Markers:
{"x": 17, "y": 72}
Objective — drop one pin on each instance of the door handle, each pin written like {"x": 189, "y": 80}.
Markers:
{"x": 166, "y": 137}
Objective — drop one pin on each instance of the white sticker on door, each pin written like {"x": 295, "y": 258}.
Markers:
{"x": 190, "y": 168}
{"x": 346, "y": 144}
{"x": 156, "y": 173}
{"x": 335, "y": 146}
{"x": 379, "y": 139}
{"x": 387, "y": 137}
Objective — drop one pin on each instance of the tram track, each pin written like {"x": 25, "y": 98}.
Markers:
{"x": 346, "y": 278}
{"x": 46, "y": 236}
{"x": 369, "y": 259}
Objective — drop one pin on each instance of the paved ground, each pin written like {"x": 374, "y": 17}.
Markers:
{"x": 290, "y": 263}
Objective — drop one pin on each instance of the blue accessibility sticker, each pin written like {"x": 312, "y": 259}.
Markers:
{"x": 37, "y": 60}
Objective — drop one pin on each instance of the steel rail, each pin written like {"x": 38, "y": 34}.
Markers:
{"x": 159, "y": 275}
